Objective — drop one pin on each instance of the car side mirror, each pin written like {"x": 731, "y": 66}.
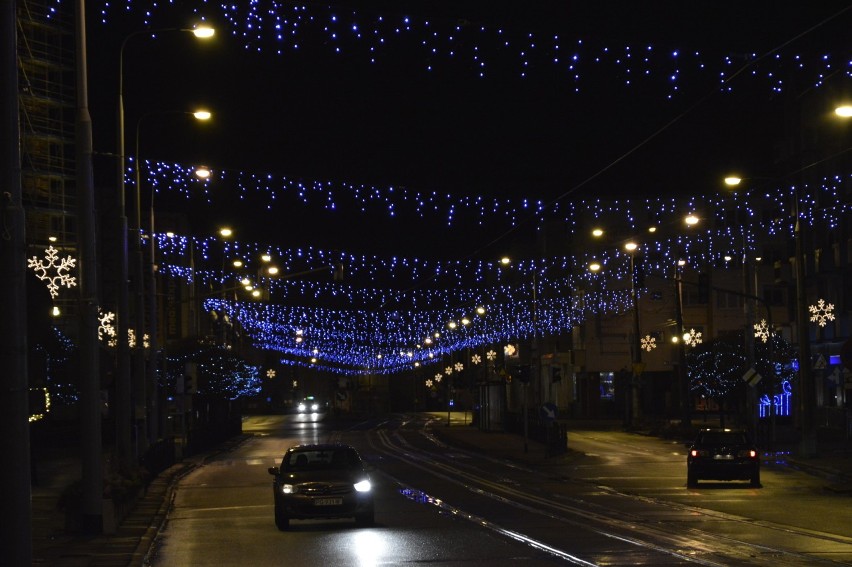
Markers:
{"x": 273, "y": 471}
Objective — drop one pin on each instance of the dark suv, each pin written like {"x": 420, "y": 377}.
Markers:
{"x": 722, "y": 454}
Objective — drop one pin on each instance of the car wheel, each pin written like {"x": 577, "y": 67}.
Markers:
{"x": 366, "y": 518}
{"x": 691, "y": 480}
{"x": 282, "y": 522}
{"x": 755, "y": 480}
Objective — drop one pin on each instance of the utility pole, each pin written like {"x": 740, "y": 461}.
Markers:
{"x": 15, "y": 490}
{"x": 90, "y": 374}
{"x": 636, "y": 374}
{"x": 682, "y": 376}
{"x": 808, "y": 445}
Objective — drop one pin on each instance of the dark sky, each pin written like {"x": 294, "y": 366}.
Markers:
{"x": 317, "y": 115}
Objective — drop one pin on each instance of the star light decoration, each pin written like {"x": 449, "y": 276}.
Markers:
{"x": 761, "y": 331}
{"x": 54, "y": 270}
{"x": 649, "y": 343}
{"x": 822, "y": 312}
{"x": 693, "y": 338}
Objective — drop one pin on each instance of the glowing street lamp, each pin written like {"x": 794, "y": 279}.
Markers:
{"x": 844, "y": 111}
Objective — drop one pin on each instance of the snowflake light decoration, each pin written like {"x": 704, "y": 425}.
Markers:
{"x": 428, "y": 383}
{"x": 295, "y": 383}
{"x": 448, "y": 370}
{"x": 106, "y": 326}
{"x": 131, "y": 339}
{"x": 821, "y": 312}
{"x": 438, "y": 377}
{"x": 509, "y": 350}
{"x": 693, "y": 338}
{"x": 761, "y": 331}
{"x": 270, "y": 373}
{"x": 649, "y": 343}
{"x": 476, "y": 359}
{"x": 459, "y": 366}
{"x": 55, "y": 273}
{"x": 491, "y": 355}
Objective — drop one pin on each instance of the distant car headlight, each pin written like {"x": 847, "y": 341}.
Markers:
{"x": 301, "y": 407}
{"x": 288, "y": 488}
{"x": 315, "y": 407}
{"x": 363, "y": 486}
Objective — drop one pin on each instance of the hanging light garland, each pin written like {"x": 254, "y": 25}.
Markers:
{"x": 821, "y": 202}
{"x": 488, "y": 51}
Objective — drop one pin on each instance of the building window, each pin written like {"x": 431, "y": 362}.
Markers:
{"x": 775, "y": 296}
{"x": 728, "y": 300}
{"x": 691, "y": 297}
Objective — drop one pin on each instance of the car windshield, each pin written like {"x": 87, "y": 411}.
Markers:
{"x": 316, "y": 459}
{"x": 722, "y": 438}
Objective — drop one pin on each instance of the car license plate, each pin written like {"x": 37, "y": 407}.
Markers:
{"x": 723, "y": 457}
{"x": 328, "y": 501}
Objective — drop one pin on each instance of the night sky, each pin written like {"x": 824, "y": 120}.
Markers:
{"x": 314, "y": 114}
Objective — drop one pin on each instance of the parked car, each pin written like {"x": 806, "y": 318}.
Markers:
{"x": 722, "y": 454}
{"x": 321, "y": 481}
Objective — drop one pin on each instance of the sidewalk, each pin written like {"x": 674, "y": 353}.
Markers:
{"x": 133, "y": 537}
{"x": 54, "y": 546}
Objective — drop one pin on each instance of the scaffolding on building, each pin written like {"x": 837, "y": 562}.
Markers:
{"x": 47, "y": 102}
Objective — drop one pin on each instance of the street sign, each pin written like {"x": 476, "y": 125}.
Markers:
{"x": 819, "y": 363}
{"x": 751, "y": 377}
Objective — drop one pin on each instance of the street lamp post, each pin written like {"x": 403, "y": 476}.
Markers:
{"x": 636, "y": 343}
{"x": 151, "y": 370}
{"x": 123, "y": 409}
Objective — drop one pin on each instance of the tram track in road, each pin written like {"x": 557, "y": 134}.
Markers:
{"x": 412, "y": 444}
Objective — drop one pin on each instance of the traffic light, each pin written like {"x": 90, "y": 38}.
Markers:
{"x": 704, "y": 288}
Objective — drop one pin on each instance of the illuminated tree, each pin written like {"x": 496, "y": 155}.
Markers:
{"x": 715, "y": 367}
{"x": 220, "y": 373}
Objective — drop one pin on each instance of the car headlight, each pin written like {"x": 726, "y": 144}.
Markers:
{"x": 315, "y": 407}
{"x": 363, "y": 486}
{"x": 301, "y": 407}
{"x": 288, "y": 488}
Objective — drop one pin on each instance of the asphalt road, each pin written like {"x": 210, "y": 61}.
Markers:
{"x": 615, "y": 500}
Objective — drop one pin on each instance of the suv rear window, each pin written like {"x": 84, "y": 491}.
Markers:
{"x": 722, "y": 438}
